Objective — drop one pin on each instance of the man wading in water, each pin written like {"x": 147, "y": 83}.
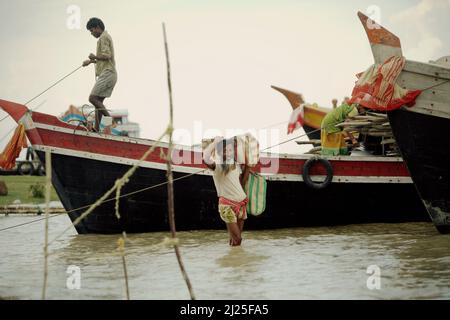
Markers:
{"x": 229, "y": 179}
{"x": 105, "y": 69}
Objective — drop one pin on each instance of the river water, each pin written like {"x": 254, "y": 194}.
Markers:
{"x": 373, "y": 261}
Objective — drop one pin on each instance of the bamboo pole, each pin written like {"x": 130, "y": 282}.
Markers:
{"x": 312, "y": 141}
{"x": 170, "y": 200}
{"x": 121, "y": 241}
{"x": 48, "y": 183}
{"x": 314, "y": 150}
{"x": 121, "y": 248}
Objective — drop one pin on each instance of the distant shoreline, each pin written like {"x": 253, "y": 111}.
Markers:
{"x": 31, "y": 209}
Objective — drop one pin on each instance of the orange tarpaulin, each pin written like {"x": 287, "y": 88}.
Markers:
{"x": 13, "y": 148}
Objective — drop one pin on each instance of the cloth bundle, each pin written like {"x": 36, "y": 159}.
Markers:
{"x": 377, "y": 89}
{"x": 246, "y": 149}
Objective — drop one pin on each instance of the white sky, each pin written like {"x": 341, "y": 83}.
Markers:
{"x": 224, "y": 56}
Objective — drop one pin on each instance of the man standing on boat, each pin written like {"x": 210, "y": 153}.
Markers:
{"x": 105, "y": 69}
{"x": 229, "y": 179}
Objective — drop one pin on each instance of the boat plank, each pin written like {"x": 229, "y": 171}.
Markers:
{"x": 430, "y": 70}
{"x": 428, "y": 110}
{"x": 439, "y": 93}
{"x": 435, "y": 100}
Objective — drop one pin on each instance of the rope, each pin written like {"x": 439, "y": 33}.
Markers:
{"x": 4, "y": 117}
{"x": 435, "y": 85}
{"x": 30, "y": 222}
{"x": 57, "y": 82}
{"x": 289, "y": 140}
{"x": 3, "y": 138}
{"x": 40, "y": 94}
{"x": 274, "y": 125}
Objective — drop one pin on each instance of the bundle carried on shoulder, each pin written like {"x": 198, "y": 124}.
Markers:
{"x": 246, "y": 149}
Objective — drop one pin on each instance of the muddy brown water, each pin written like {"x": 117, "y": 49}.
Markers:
{"x": 372, "y": 261}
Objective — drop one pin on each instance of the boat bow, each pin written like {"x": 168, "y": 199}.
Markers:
{"x": 384, "y": 43}
{"x": 15, "y": 110}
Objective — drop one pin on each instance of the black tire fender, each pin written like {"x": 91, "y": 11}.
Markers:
{"x": 24, "y": 172}
{"x": 307, "y": 178}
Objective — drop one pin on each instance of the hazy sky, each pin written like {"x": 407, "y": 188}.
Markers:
{"x": 224, "y": 55}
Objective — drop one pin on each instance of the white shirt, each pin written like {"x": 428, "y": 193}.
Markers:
{"x": 229, "y": 186}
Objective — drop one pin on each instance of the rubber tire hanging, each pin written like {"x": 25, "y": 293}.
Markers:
{"x": 307, "y": 178}
{"x": 23, "y": 170}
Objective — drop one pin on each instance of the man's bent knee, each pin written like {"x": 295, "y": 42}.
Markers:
{"x": 96, "y": 99}
{"x": 93, "y": 99}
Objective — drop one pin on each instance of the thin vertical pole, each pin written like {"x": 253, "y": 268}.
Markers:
{"x": 170, "y": 197}
{"x": 48, "y": 184}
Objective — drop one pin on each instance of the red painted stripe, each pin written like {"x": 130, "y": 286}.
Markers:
{"x": 15, "y": 110}
{"x": 285, "y": 166}
{"x": 53, "y": 121}
{"x": 33, "y": 136}
{"x": 135, "y": 151}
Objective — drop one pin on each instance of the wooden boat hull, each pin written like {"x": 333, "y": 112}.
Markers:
{"x": 85, "y": 165}
{"x": 313, "y": 117}
{"x": 311, "y": 132}
{"x": 424, "y": 144}
{"x": 80, "y": 182}
{"x": 312, "y": 113}
{"x": 421, "y": 131}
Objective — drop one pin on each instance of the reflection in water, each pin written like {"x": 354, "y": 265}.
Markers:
{"x": 239, "y": 257}
{"x": 302, "y": 263}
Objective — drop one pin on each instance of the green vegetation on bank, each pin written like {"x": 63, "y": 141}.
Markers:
{"x": 19, "y": 188}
